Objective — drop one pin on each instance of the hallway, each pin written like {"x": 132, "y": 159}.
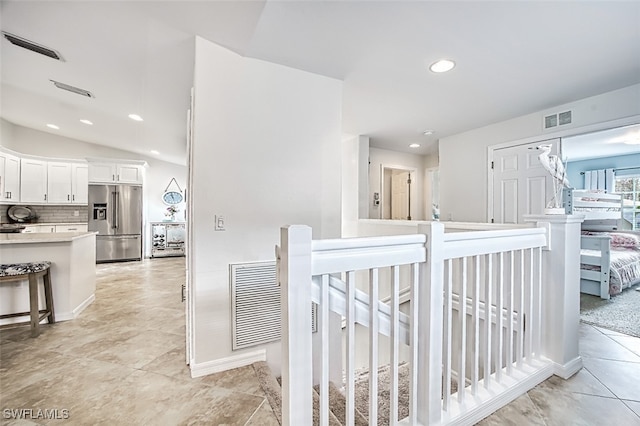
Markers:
{"x": 122, "y": 361}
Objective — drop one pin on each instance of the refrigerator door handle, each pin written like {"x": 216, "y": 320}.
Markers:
{"x": 113, "y": 211}
{"x": 116, "y": 208}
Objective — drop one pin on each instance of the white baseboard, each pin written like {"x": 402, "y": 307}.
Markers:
{"x": 67, "y": 316}
{"x": 569, "y": 369}
{"x": 223, "y": 364}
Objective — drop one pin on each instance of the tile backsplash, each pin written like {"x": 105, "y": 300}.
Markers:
{"x": 52, "y": 214}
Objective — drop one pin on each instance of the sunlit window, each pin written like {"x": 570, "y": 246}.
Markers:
{"x": 629, "y": 187}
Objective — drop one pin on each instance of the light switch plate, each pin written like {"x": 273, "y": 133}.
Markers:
{"x": 219, "y": 223}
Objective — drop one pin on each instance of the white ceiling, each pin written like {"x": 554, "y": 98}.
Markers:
{"x": 605, "y": 143}
{"x": 513, "y": 58}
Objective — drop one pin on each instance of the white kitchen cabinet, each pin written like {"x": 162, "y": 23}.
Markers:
{"x": 58, "y": 182}
{"x": 68, "y": 227}
{"x": 67, "y": 182}
{"x": 9, "y": 177}
{"x": 79, "y": 183}
{"x": 76, "y": 227}
{"x": 33, "y": 181}
{"x": 115, "y": 173}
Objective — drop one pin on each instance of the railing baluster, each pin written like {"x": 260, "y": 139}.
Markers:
{"x": 324, "y": 343}
{"x": 488, "y": 302}
{"x": 509, "y": 348}
{"x": 530, "y": 318}
{"x": 351, "y": 348}
{"x": 520, "y": 308}
{"x": 394, "y": 343}
{"x": 538, "y": 293}
{"x": 373, "y": 346}
{"x": 413, "y": 341}
{"x": 462, "y": 317}
{"x": 448, "y": 290}
{"x": 476, "y": 325}
{"x": 499, "y": 321}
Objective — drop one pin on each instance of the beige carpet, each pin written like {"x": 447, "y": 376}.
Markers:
{"x": 337, "y": 403}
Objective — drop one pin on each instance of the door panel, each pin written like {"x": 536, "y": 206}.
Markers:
{"x": 521, "y": 185}
{"x": 110, "y": 248}
{"x": 128, "y": 208}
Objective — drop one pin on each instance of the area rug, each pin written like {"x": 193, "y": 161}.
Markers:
{"x": 620, "y": 313}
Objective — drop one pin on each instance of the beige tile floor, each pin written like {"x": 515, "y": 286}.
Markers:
{"x": 121, "y": 362}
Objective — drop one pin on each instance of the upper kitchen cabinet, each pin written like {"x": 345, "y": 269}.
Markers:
{"x": 115, "y": 173}
{"x": 67, "y": 182}
{"x": 33, "y": 181}
{"x": 9, "y": 177}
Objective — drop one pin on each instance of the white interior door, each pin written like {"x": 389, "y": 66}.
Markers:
{"x": 520, "y": 184}
{"x": 400, "y": 195}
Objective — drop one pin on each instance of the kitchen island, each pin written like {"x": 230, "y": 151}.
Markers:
{"x": 73, "y": 270}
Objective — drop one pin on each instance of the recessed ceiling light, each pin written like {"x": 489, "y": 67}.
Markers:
{"x": 443, "y": 65}
{"x": 427, "y": 132}
{"x": 87, "y": 122}
{"x": 414, "y": 145}
{"x": 135, "y": 117}
{"x": 53, "y": 126}
{"x": 153, "y": 151}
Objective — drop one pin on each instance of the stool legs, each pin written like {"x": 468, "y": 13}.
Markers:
{"x": 48, "y": 294}
{"x": 33, "y": 300}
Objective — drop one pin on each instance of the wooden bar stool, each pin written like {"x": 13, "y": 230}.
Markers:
{"x": 31, "y": 271}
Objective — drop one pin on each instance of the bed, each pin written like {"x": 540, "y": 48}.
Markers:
{"x": 609, "y": 256}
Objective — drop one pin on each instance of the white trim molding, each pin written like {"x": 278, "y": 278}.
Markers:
{"x": 229, "y": 363}
{"x": 569, "y": 369}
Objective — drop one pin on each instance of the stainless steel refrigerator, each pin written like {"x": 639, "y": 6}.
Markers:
{"x": 115, "y": 212}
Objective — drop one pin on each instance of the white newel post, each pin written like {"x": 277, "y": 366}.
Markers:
{"x": 428, "y": 409}
{"x": 295, "y": 280}
{"x": 561, "y": 291}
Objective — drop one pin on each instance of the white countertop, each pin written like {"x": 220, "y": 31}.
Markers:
{"x": 53, "y": 223}
{"x": 45, "y": 237}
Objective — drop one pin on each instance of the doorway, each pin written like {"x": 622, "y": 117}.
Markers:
{"x": 397, "y": 193}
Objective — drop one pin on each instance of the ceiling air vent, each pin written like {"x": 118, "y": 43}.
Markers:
{"x": 30, "y": 45}
{"x": 73, "y": 89}
{"x": 555, "y": 120}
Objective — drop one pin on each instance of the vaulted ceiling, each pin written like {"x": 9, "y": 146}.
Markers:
{"x": 512, "y": 58}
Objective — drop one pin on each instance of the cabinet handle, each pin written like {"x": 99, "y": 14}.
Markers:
{"x": 118, "y": 177}
{"x": 68, "y": 197}
{"x": 45, "y": 197}
{"x": 73, "y": 197}
{"x": 113, "y": 177}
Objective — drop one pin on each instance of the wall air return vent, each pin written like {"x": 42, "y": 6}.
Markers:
{"x": 32, "y": 46}
{"x": 555, "y": 120}
{"x": 73, "y": 89}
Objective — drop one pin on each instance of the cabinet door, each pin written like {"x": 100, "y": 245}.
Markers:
{"x": 77, "y": 227}
{"x": 33, "y": 181}
{"x": 79, "y": 183}
{"x": 31, "y": 229}
{"x": 58, "y": 182}
{"x": 128, "y": 173}
{"x": 9, "y": 177}
{"x": 102, "y": 172}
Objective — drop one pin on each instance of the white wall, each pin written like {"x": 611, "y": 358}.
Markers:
{"x": 157, "y": 174}
{"x": 464, "y": 157}
{"x": 266, "y": 153}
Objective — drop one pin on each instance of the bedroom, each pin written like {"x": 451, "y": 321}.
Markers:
{"x": 604, "y": 167}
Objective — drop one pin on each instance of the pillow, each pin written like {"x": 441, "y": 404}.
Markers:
{"x": 627, "y": 240}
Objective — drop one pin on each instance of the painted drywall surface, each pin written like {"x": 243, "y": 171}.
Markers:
{"x": 266, "y": 153}
{"x": 464, "y": 157}
{"x": 620, "y": 161}
{"x": 158, "y": 173}
{"x": 394, "y": 159}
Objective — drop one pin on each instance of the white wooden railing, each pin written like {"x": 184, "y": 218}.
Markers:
{"x": 476, "y": 317}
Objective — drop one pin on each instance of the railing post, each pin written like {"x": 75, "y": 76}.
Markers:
{"x": 428, "y": 409}
{"x": 561, "y": 291}
{"x": 294, "y": 270}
